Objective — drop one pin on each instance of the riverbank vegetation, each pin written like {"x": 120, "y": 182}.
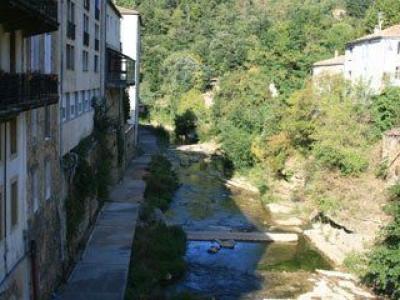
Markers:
{"x": 158, "y": 249}
{"x": 242, "y": 68}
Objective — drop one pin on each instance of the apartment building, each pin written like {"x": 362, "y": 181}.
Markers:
{"x": 81, "y": 30}
{"x": 28, "y": 142}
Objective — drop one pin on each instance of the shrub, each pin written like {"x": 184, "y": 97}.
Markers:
{"x": 185, "y": 125}
{"x": 348, "y": 161}
{"x": 385, "y": 109}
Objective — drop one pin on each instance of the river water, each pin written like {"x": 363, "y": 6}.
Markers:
{"x": 250, "y": 270}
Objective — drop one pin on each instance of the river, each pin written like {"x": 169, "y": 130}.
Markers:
{"x": 249, "y": 271}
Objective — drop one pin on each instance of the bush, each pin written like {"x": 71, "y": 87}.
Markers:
{"x": 161, "y": 183}
{"x": 384, "y": 261}
{"x": 386, "y": 110}
{"x": 185, "y": 126}
{"x": 348, "y": 161}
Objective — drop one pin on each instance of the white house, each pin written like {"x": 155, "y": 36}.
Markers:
{"x": 130, "y": 36}
{"x": 375, "y": 59}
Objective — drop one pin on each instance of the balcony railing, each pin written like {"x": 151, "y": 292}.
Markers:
{"x": 86, "y": 38}
{"x": 71, "y": 28}
{"x": 31, "y": 16}
{"x": 120, "y": 69}
{"x": 96, "y": 44}
{"x": 21, "y": 92}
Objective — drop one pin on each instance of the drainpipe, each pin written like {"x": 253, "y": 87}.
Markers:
{"x": 5, "y": 198}
{"x": 33, "y": 253}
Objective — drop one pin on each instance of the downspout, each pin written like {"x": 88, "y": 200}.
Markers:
{"x": 5, "y": 198}
{"x": 60, "y": 58}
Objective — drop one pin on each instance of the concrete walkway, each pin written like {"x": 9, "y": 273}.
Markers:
{"x": 102, "y": 272}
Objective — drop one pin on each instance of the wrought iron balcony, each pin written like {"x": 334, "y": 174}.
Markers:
{"x": 120, "y": 69}
{"x": 31, "y": 16}
{"x": 71, "y": 28}
{"x": 21, "y": 92}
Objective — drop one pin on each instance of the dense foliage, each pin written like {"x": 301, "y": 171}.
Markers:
{"x": 253, "y": 58}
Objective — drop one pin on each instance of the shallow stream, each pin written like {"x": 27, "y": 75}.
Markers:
{"x": 250, "y": 270}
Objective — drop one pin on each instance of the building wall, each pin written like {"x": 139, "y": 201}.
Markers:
{"x": 130, "y": 37}
{"x": 113, "y": 25}
{"x": 372, "y": 61}
{"x": 328, "y": 70}
{"x": 79, "y": 85}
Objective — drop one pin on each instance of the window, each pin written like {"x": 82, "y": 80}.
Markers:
{"x": 47, "y": 171}
{"x": 76, "y": 100}
{"x": 47, "y": 122}
{"x": 85, "y": 61}
{"x": 86, "y": 4}
{"x": 34, "y": 125}
{"x": 86, "y": 37}
{"x": 35, "y": 188}
{"x": 72, "y": 107}
{"x": 96, "y": 37}
{"x": 87, "y": 101}
{"x": 96, "y": 63}
{"x": 13, "y": 137}
{"x": 70, "y": 57}
{"x": 47, "y": 53}
{"x": 71, "y": 11}
{"x": 68, "y": 107}
{"x": 80, "y": 100}
{"x": 35, "y": 53}
{"x": 83, "y": 101}
{"x": 63, "y": 109}
{"x": 397, "y": 73}
{"x": 14, "y": 203}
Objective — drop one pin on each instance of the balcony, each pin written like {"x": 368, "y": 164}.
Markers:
{"x": 71, "y": 28}
{"x": 86, "y": 38}
{"x": 21, "y": 92}
{"x": 32, "y": 17}
{"x": 120, "y": 71}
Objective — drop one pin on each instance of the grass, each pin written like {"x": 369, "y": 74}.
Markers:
{"x": 158, "y": 249}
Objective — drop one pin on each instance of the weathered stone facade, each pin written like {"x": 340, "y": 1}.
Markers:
{"x": 45, "y": 236}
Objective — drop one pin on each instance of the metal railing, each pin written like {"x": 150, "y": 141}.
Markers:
{"x": 120, "y": 69}
{"x": 31, "y": 16}
{"x": 24, "y": 91}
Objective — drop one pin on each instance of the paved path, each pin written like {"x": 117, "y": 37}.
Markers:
{"x": 103, "y": 269}
{"x": 241, "y": 236}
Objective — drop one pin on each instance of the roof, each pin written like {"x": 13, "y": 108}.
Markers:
{"x": 335, "y": 61}
{"x": 127, "y": 11}
{"x": 390, "y": 32}
{"x": 114, "y": 7}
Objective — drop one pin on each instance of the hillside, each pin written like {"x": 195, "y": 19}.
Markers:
{"x": 240, "y": 72}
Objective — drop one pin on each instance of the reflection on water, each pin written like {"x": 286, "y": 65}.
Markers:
{"x": 250, "y": 270}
